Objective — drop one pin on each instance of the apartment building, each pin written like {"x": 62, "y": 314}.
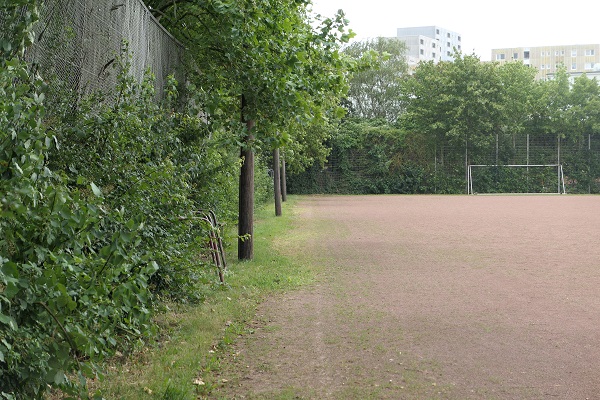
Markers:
{"x": 577, "y": 59}
{"x": 429, "y": 43}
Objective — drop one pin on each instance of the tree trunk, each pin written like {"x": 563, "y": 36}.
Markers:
{"x": 277, "y": 182}
{"x": 283, "y": 183}
{"x": 246, "y": 198}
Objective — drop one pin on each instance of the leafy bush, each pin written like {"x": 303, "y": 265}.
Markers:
{"x": 70, "y": 282}
{"x": 367, "y": 157}
{"x": 98, "y": 204}
{"x": 144, "y": 157}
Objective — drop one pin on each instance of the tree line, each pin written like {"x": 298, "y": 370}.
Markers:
{"x": 416, "y": 132}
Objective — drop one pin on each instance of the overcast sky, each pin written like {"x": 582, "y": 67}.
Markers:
{"x": 482, "y": 25}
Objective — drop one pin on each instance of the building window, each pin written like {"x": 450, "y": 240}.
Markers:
{"x": 459, "y": 47}
{"x": 590, "y": 52}
{"x": 459, "y": 38}
{"x": 421, "y": 41}
{"x": 515, "y": 56}
{"x": 448, "y": 34}
{"x": 433, "y": 45}
{"x": 543, "y": 66}
{"x": 437, "y": 31}
{"x": 573, "y": 53}
{"x": 500, "y": 56}
{"x": 422, "y": 52}
{"x": 448, "y": 44}
{"x": 589, "y": 66}
{"x": 574, "y": 66}
{"x": 432, "y": 55}
{"x": 526, "y": 55}
{"x": 448, "y": 54}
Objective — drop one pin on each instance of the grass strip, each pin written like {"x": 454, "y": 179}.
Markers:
{"x": 185, "y": 364}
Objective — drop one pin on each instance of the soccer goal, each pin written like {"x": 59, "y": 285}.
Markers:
{"x": 526, "y": 179}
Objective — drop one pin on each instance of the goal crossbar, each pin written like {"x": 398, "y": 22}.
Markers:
{"x": 560, "y": 175}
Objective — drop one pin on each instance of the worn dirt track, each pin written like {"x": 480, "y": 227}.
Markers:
{"x": 435, "y": 297}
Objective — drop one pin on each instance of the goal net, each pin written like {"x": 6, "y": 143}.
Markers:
{"x": 541, "y": 178}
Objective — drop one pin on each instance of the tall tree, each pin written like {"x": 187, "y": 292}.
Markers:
{"x": 516, "y": 97}
{"x": 266, "y": 60}
{"x": 465, "y": 104}
{"x": 551, "y": 105}
{"x": 584, "y": 112}
{"x": 375, "y": 91}
{"x": 277, "y": 181}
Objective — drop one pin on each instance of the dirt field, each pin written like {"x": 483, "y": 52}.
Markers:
{"x": 436, "y": 297}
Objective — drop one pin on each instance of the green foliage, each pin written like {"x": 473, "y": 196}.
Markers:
{"x": 285, "y": 64}
{"x": 454, "y": 103}
{"x": 376, "y": 88}
{"x": 155, "y": 163}
{"x": 369, "y": 158}
{"x": 308, "y": 146}
{"x": 98, "y": 202}
{"x": 467, "y": 112}
{"x": 71, "y": 283}
{"x": 262, "y": 67}
{"x": 16, "y": 21}
{"x": 583, "y": 114}
{"x": 501, "y": 179}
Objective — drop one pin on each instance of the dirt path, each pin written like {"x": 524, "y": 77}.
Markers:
{"x": 436, "y": 297}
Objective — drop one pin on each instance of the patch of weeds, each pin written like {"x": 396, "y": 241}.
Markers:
{"x": 174, "y": 393}
{"x": 289, "y": 393}
{"x": 212, "y": 364}
{"x": 419, "y": 381}
{"x": 271, "y": 328}
{"x": 333, "y": 340}
{"x": 265, "y": 367}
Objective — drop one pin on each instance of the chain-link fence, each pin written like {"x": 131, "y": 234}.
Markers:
{"x": 506, "y": 159}
{"x": 78, "y": 41}
{"x": 376, "y": 167}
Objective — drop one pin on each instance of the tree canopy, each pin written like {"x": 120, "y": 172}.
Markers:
{"x": 464, "y": 112}
{"x": 284, "y": 61}
{"x": 376, "y": 90}
{"x": 260, "y": 67}
{"x": 466, "y": 101}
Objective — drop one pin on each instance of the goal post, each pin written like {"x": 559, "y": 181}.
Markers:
{"x": 516, "y": 178}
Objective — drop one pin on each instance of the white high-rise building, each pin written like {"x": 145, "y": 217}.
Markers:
{"x": 429, "y": 43}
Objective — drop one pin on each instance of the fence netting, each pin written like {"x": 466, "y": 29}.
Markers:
{"x": 443, "y": 168}
{"x": 77, "y": 43}
{"x": 578, "y": 158}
